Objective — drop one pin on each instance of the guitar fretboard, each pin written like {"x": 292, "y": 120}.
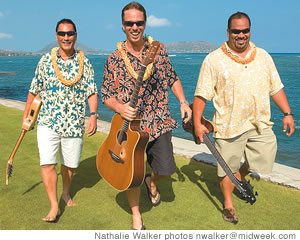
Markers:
{"x": 222, "y": 162}
{"x": 133, "y": 101}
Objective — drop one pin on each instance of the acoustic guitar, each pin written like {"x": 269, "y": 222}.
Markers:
{"x": 243, "y": 187}
{"x": 120, "y": 159}
{"x": 27, "y": 125}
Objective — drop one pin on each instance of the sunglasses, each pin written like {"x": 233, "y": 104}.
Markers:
{"x": 238, "y": 31}
{"x": 130, "y": 23}
{"x": 62, "y": 34}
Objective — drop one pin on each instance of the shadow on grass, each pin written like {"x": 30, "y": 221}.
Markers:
{"x": 86, "y": 176}
{"x": 208, "y": 176}
{"x": 35, "y": 185}
{"x": 165, "y": 187}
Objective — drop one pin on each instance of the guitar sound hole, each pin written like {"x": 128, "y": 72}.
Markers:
{"x": 122, "y": 137}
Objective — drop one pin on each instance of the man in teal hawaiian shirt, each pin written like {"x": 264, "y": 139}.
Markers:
{"x": 64, "y": 80}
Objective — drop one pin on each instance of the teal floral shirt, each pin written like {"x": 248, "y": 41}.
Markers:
{"x": 63, "y": 107}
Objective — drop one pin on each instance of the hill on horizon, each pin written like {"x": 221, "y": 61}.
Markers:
{"x": 78, "y": 45}
{"x": 191, "y": 47}
{"x": 173, "y": 47}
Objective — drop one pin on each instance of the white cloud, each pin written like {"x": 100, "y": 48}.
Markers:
{"x": 1, "y": 14}
{"x": 109, "y": 26}
{"x": 5, "y": 35}
{"x": 153, "y": 21}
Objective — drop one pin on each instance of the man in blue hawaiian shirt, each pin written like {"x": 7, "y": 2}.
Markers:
{"x": 64, "y": 80}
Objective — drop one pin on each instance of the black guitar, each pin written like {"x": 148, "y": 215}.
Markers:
{"x": 243, "y": 187}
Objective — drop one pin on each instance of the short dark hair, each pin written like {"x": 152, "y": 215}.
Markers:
{"x": 65, "y": 20}
{"x": 238, "y": 15}
{"x": 134, "y": 5}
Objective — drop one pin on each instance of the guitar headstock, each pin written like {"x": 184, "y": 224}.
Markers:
{"x": 8, "y": 172}
{"x": 248, "y": 194}
{"x": 151, "y": 53}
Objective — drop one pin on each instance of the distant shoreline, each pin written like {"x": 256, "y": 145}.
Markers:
{"x": 23, "y": 54}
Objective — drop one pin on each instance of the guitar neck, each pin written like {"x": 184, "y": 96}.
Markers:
{"x": 149, "y": 58}
{"x": 133, "y": 101}
{"x": 221, "y": 161}
{"x": 11, "y": 157}
{"x": 139, "y": 82}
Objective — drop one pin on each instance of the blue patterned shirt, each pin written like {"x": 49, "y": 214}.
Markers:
{"x": 63, "y": 107}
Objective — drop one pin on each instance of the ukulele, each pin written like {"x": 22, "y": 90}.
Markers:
{"x": 120, "y": 159}
{"x": 243, "y": 187}
{"x": 27, "y": 125}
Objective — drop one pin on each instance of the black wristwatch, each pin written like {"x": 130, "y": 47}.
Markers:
{"x": 94, "y": 113}
{"x": 288, "y": 113}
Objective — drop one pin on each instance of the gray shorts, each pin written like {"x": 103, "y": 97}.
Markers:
{"x": 49, "y": 142}
{"x": 259, "y": 150}
{"x": 160, "y": 155}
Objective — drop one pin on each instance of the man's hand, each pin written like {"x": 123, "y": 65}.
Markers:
{"x": 200, "y": 130}
{"x": 91, "y": 127}
{"x": 186, "y": 112}
{"x": 288, "y": 123}
{"x": 127, "y": 112}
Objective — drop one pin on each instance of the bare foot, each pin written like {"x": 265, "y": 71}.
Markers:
{"x": 52, "y": 215}
{"x": 69, "y": 202}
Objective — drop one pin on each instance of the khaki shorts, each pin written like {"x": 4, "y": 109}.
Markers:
{"x": 258, "y": 149}
{"x": 49, "y": 142}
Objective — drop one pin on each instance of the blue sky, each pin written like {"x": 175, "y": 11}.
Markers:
{"x": 30, "y": 25}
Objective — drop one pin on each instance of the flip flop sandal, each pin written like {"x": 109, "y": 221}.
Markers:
{"x": 149, "y": 193}
{"x": 142, "y": 228}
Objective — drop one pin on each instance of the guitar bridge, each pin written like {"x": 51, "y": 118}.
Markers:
{"x": 115, "y": 157}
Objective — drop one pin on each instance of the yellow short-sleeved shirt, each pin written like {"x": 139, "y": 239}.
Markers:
{"x": 240, "y": 92}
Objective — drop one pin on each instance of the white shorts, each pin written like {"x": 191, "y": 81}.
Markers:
{"x": 49, "y": 142}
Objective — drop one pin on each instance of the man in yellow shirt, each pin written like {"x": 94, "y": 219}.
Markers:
{"x": 240, "y": 78}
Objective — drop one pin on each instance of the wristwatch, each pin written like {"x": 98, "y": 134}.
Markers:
{"x": 288, "y": 113}
{"x": 184, "y": 102}
{"x": 95, "y": 113}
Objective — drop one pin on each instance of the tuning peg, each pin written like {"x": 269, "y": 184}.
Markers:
{"x": 10, "y": 168}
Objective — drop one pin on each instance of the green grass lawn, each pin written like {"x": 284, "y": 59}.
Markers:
{"x": 191, "y": 198}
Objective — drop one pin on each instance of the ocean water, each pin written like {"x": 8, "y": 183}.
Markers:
{"x": 187, "y": 67}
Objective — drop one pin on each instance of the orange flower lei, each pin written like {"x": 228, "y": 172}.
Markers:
{"x": 128, "y": 65}
{"x": 58, "y": 73}
{"x": 237, "y": 59}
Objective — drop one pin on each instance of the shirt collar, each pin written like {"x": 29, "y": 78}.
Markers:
{"x": 71, "y": 57}
{"x": 252, "y": 47}
{"x": 146, "y": 46}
